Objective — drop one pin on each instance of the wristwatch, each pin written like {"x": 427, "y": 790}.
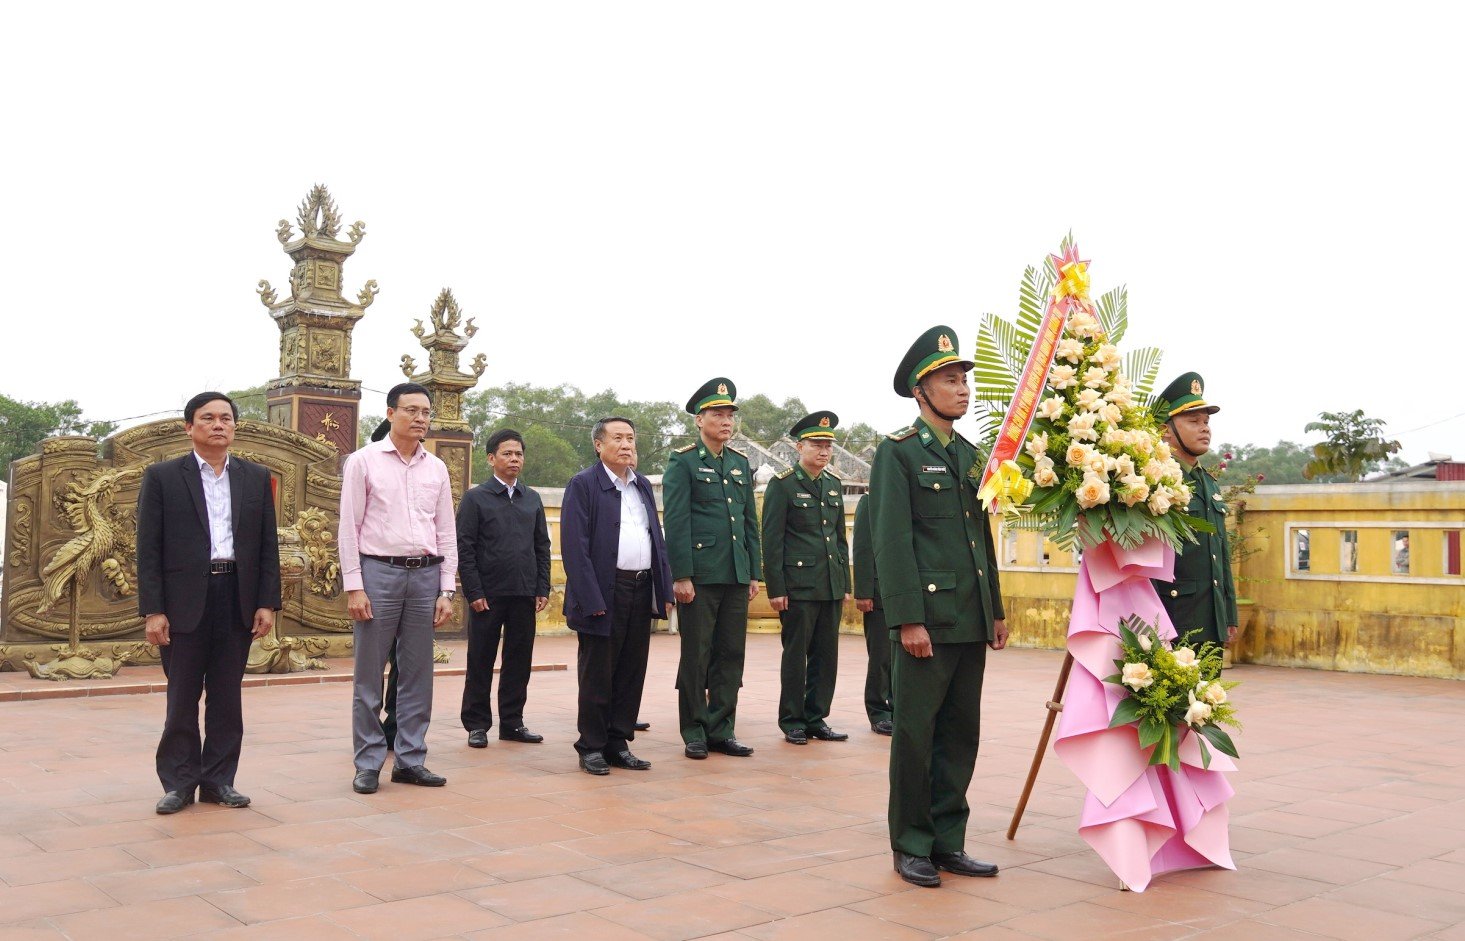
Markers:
{"x": 450, "y": 595}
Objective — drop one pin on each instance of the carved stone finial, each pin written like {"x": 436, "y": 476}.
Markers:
{"x": 266, "y": 293}
{"x": 469, "y": 329}
{"x": 409, "y": 365}
{"x": 445, "y": 312}
{"x": 284, "y": 233}
{"x": 480, "y": 363}
{"x": 367, "y": 294}
{"x": 357, "y": 231}
{"x": 417, "y": 329}
{"x": 317, "y": 214}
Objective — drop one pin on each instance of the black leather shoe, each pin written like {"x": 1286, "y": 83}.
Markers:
{"x": 642, "y": 726}
{"x": 520, "y": 734}
{"x": 796, "y": 737}
{"x": 593, "y": 762}
{"x": 883, "y": 727}
{"x": 917, "y": 870}
{"x": 962, "y": 864}
{"x": 624, "y": 759}
{"x": 731, "y": 746}
{"x": 174, "y": 801}
{"x": 366, "y": 782}
{"x": 419, "y": 775}
{"x": 478, "y": 738}
{"x": 825, "y": 734}
{"x": 697, "y": 750}
{"x": 224, "y": 794}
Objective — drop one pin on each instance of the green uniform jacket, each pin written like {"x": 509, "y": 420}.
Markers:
{"x": 805, "y": 550}
{"x": 1203, "y": 596}
{"x": 710, "y": 516}
{"x": 932, "y": 545}
{"x": 866, "y": 584}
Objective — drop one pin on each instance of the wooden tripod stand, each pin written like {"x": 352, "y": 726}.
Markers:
{"x": 1054, "y": 706}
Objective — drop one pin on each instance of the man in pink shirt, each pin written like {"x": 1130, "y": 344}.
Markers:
{"x": 399, "y": 553}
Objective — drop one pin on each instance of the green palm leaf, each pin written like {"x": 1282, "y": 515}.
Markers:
{"x": 1113, "y": 310}
{"x": 1142, "y": 367}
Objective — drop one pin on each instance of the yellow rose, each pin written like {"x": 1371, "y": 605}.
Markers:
{"x": 1078, "y": 454}
{"x": 1044, "y": 475}
{"x": 1084, "y": 326}
{"x": 1097, "y": 464}
{"x": 1092, "y": 492}
{"x": 1081, "y": 427}
{"x": 1070, "y": 349}
{"x": 1124, "y": 467}
{"x": 1037, "y": 444}
{"x": 1089, "y": 400}
{"x": 1062, "y": 377}
{"x": 1184, "y": 656}
{"x": 1214, "y": 693}
{"x": 1159, "y": 502}
{"x": 1107, "y": 356}
{"x": 1137, "y": 676}
{"x": 1051, "y": 408}
{"x": 1110, "y": 413}
{"x": 1154, "y": 471}
{"x": 1135, "y": 490}
{"x": 1162, "y": 450}
{"x": 1198, "y": 713}
{"x": 1096, "y": 378}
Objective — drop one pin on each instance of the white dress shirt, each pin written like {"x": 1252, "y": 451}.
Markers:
{"x": 510, "y": 489}
{"x": 633, "y": 554}
{"x": 221, "y": 510}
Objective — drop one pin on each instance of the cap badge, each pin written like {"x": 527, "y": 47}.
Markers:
{"x": 722, "y": 388}
{"x": 1195, "y": 388}
{"x": 943, "y": 344}
{"x": 824, "y": 422}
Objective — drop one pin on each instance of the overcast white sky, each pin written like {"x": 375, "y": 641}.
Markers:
{"x": 642, "y": 196}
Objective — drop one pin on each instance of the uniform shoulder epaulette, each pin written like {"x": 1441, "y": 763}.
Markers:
{"x": 832, "y": 473}
{"x": 962, "y": 437}
{"x": 1211, "y": 472}
{"x": 902, "y": 434}
{"x": 786, "y": 472}
{"x": 736, "y": 451}
{"x": 685, "y": 448}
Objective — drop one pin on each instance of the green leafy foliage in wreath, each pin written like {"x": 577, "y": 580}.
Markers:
{"x": 1172, "y": 691}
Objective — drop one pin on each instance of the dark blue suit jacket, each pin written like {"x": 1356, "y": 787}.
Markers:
{"x": 590, "y": 533}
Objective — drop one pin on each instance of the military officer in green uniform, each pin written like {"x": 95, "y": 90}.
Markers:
{"x": 877, "y": 635}
{"x": 806, "y": 569}
{"x": 711, "y": 521}
{"x": 1202, "y": 598}
{"x": 938, "y": 585}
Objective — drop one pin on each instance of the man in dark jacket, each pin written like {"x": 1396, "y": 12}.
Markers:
{"x": 208, "y": 581}
{"x": 616, "y": 580}
{"x": 503, "y": 562}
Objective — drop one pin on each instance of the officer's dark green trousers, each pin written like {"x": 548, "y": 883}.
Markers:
{"x": 937, "y": 720}
{"x": 810, "y": 663}
{"x": 714, "y": 633}
{"x": 877, "y": 669}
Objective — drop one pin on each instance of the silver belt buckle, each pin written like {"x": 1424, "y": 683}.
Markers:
{"x": 415, "y": 562}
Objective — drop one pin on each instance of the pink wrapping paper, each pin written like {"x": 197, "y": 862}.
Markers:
{"x": 1141, "y": 820}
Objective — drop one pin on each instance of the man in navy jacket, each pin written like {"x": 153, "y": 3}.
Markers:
{"x": 616, "y": 580}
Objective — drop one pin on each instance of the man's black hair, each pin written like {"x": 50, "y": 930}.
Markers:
{"x": 496, "y": 440}
{"x": 204, "y": 398}
{"x": 406, "y": 388}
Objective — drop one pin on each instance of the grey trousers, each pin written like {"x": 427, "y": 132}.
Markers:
{"x": 402, "y": 602}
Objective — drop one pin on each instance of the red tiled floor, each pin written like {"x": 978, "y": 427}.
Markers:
{"x": 1349, "y": 829}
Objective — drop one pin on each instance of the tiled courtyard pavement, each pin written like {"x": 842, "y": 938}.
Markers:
{"x": 1349, "y": 823}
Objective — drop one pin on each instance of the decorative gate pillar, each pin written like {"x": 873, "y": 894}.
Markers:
{"x": 314, "y": 393}
{"x": 449, "y": 436}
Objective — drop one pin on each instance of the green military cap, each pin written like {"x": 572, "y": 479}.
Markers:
{"x": 936, "y": 348}
{"x": 1186, "y": 394}
{"x": 715, "y": 393}
{"x": 814, "y": 425}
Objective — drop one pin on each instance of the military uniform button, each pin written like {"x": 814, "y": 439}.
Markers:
{"x": 931, "y": 587}
{"x": 968, "y": 514}
{"x": 1215, "y": 582}
{"x": 936, "y": 486}
{"x": 724, "y": 481}
{"x": 979, "y": 573}
{"x": 735, "y": 539}
{"x": 699, "y": 545}
{"x": 733, "y": 518}
{"x": 799, "y": 564}
{"x": 729, "y": 499}
{"x": 1174, "y": 593}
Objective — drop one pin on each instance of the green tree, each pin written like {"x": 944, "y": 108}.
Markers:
{"x": 24, "y": 424}
{"x": 1282, "y": 463}
{"x": 250, "y": 402}
{"x": 765, "y": 421}
{"x": 365, "y": 425}
{"x": 1354, "y": 446}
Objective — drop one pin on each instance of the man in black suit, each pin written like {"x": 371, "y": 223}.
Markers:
{"x": 617, "y": 579}
{"x": 503, "y": 562}
{"x": 208, "y": 570}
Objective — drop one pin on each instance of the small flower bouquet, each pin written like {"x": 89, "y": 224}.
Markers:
{"x": 1172, "y": 691}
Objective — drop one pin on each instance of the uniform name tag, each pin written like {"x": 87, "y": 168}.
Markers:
{"x": 934, "y": 469}
{"x": 706, "y": 470}
{"x": 803, "y": 496}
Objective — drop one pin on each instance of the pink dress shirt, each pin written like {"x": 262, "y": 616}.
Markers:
{"x": 391, "y": 506}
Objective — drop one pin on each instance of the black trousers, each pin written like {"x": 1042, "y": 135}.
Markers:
{"x": 877, "y": 667}
{"x": 513, "y": 617}
{"x": 210, "y": 658}
{"x": 613, "y": 671}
